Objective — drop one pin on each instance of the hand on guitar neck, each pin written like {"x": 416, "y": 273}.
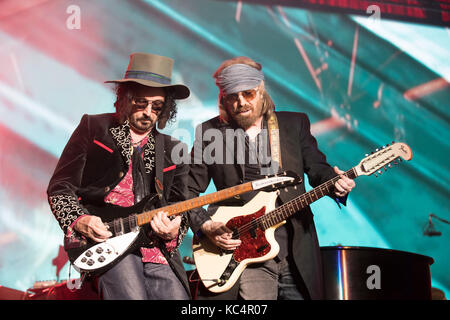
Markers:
{"x": 164, "y": 227}
{"x": 220, "y": 235}
{"x": 344, "y": 185}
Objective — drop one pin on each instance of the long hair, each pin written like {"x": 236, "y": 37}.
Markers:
{"x": 268, "y": 106}
{"x": 124, "y": 107}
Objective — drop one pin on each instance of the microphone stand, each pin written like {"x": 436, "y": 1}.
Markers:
{"x": 429, "y": 229}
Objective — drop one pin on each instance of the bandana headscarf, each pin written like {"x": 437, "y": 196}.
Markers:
{"x": 238, "y": 77}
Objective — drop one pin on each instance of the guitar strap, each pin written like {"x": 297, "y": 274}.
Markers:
{"x": 274, "y": 138}
{"x": 159, "y": 163}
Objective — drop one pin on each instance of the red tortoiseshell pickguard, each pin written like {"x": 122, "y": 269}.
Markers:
{"x": 254, "y": 244}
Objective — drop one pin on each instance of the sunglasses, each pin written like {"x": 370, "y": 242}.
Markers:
{"x": 142, "y": 103}
{"x": 248, "y": 95}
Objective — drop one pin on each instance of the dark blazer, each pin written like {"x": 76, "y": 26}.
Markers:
{"x": 300, "y": 154}
{"x": 95, "y": 160}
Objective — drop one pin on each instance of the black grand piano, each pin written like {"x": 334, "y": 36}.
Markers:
{"x": 365, "y": 273}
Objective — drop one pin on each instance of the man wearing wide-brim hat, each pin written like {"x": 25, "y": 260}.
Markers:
{"x": 117, "y": 160}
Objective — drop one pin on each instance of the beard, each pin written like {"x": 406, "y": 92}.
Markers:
{"x": 246, "y": 119}
{"x": 141, "y": 124}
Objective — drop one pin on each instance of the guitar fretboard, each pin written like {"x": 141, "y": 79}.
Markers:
{"x": 289, "y": 208}
{"x": 183, "y": 206}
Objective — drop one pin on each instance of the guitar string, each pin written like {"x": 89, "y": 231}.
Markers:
{"x": 219, "y": 196}
{"x": 274, "y": 214}
{"x": 298, "y": 203}
{"x": 282, "y": 209}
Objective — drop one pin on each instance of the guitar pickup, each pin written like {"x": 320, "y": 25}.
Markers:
{"x": 118, "y": 227}
{"x": 261, "y": 248}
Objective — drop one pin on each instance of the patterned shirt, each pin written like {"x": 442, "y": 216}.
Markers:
{"x": 122, "y": 195}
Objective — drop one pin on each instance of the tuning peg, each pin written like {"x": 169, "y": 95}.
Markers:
{"x": 390, "y": 165}
{"x": 375, "y": 175}
{"x": 395, "y": 162}
{"x": 295, "y": 187}
{"x": 366, "y": 155}
{"x": 380, "y": 172}
{"x": 399, "y": 159}
{"x": 376, "y": 150}
{"x": 285, "y": 189}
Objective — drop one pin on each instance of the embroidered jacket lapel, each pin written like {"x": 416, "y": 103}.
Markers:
{"x": 122, "y": 137}
{"x": 149, "y": 153}
{"x": 158, "y": 147}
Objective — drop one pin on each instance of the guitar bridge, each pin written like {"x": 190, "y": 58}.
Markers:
{"x": 228, "y": 272}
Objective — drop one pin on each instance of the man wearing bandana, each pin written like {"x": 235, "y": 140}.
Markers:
{"x": 246, "y": 109}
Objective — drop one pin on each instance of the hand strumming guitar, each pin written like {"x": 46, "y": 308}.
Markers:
{"x": 220, "y": 235}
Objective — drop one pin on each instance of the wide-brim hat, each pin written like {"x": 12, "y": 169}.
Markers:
{"x": 153, "y": 71}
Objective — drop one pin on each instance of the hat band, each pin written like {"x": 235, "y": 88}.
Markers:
{"x": 145, "y": 75}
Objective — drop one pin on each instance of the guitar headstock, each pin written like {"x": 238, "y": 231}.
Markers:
{"x": 383, "y": 158}
{"x": 277, "y": 181}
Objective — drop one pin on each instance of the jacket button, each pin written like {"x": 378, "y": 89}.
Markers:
{"x": 121, "y": 174}
{"x": 107, "y": 189}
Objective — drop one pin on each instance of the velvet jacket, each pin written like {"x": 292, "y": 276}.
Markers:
{"x": 300, "y": 153}
{"x": 94, "y": 161}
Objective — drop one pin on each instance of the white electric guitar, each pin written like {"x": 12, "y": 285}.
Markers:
{"x": 255, "y": 223}
{"x": 126, "y": 223}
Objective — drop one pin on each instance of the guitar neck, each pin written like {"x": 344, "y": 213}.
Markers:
{"x": 288, "y": 209}
{"x": 183, "y": 206}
